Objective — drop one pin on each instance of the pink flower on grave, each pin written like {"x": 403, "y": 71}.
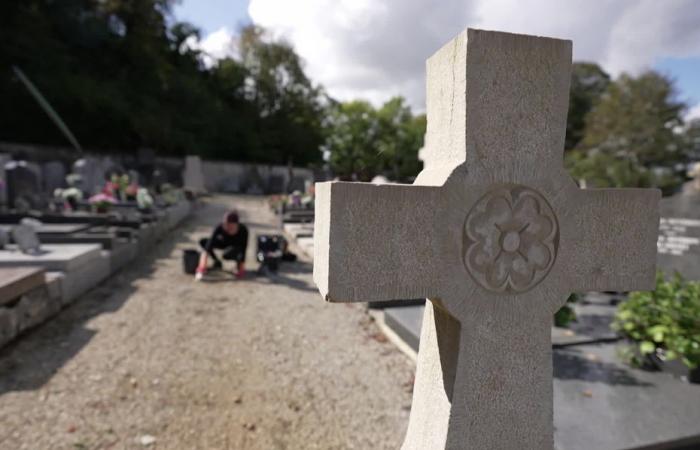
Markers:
{"x": 102, "y": 198}
{"x": 511, "y": 236}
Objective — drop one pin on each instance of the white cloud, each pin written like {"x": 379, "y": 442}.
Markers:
{"x": 693, "y": 113}
{"x": 375, "y": 49}
{"x": 215, "y": 46}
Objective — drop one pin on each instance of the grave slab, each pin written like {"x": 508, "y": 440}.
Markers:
{"x": 178, "y": 213}
{"x": 106, "y": 240}
{"x": 306, "y": 244}
{"x": 406, "y": 322}
{"x": 121, "y": 253}
{"x": 592, "y": 324}
{"x": 15, "y": 281}
{"x": 53, "y": 257}
{"x": 30, "y": 309}
{"x": 602, "y": 404}
{"x": 55, "y": 228}
{"x": 298, "y": 230}
{"x": 75, "y": 283}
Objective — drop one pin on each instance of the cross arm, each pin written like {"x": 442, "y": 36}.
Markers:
{"x": 375, "y": 243}
{"x": 614, "y": 233}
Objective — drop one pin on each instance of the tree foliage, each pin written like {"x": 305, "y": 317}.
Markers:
{"x": 364, "y": 141}
{"x": 588, "y": 82}
{"x": 122, "y": 75}
{"x": 632, "y": 136}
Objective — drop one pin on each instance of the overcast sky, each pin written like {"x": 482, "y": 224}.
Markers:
{"x": 375, "y": 49}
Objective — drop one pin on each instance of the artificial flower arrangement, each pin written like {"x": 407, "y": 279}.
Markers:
{"x": 70, "y": 197}
{"x": 102, "y": 202}
{"x": 144, "y": 199}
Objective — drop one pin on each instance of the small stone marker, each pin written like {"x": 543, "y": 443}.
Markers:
{"x": 495, "y": 233}
{"x": 193, "y": 177}
{"x": 26, "y": 239}
{"x": 54, "y": 176}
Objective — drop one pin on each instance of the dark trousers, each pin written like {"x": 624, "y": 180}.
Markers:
{"x": 229, "y": 253}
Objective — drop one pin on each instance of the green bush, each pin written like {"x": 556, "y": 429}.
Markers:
{"x": 566, "y": 313}
{"x": 665, "y": 321}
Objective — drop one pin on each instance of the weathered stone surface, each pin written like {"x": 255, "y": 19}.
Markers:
{"x": 495, "y": 233}
{"x": 34, "y": 307}
{"x": 8, "y": 325}
{"x": 15, "y": 281}
{"x": 26, "y": 239}
{"x": 75, "y": 283}
{"x": 193, "y": 176}
{"x": 63, "y": 257}
{"x": 600, "y": 403}
{"x": 679, "y": 234}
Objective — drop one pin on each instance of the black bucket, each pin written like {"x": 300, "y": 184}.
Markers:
{"x": 190, "y": 261}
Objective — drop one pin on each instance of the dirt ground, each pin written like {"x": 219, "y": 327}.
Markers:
{"x": 151, "y": 359}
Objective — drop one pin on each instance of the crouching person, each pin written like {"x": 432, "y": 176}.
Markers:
{"x": 231, "y": 238}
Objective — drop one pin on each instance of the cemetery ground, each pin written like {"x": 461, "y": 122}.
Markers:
{"x": 151, "y": 358}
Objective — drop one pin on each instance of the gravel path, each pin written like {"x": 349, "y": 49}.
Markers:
{"x": 154, "y": 360}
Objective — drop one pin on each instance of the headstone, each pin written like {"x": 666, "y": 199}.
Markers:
{"x": 229, "y": 184}
{"x": 146, "y": 166}
{"x": 679, "y": 235}
{"x": 158, "y": 178}
{"x": 54, "y": 176}
{"x": 276, "y": 184}
{"x": 297, "y": 184}
{"x": 137, "y": 177}
{"x": 494, "y": 233}
{"x": 23, "y": 186}
{"x": 253, "y": 182}
{"x": 679, "y": 230}
{"x": 193, "y": 177}
{"x": 4, "y": 238}
{"x": 26, "y": 239}
{"x": 4, "y": 159}
{"x": 92, "y": 174}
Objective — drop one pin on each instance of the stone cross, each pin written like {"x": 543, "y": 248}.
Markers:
{"x": 494, "y": 233}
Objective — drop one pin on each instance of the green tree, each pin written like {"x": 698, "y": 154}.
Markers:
{"x": 692, "y": 139}
{"x": 353, "y": 140}
{"x": 588, "y": 82}
{"x": 122, "y": 75}
{"x": 400, "y": 137}
{"x": 631, "y": 136}
{"x": 364, "y": 142}
{"x": 291, "y": 108}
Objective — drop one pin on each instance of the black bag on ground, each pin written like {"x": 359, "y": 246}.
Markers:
{"x": 269, "y": 251}
{"x": 190, "y": 261}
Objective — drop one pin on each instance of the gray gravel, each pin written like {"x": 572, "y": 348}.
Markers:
{"x": 154, "y": 360}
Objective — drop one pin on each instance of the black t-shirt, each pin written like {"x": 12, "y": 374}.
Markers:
{"x": 221, "y": 239}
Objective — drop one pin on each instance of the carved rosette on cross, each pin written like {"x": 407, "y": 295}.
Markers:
{"x": 511, "y": 237}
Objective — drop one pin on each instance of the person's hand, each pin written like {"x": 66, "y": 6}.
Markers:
{"x": 240, "y": 273}
{"x": 199, "y": 274}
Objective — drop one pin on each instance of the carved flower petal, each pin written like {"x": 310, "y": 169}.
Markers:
{"x": 527, "y": 207}
{"x": 481, "y": 255}
{"x": 521, "y": 273}
{"x": 496, "y": 212}
{"x": 538, "y": 255}
{"x": 499, "y": 210}
{"x": 497, "y": 275}
{"x": 541, "y": 226}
